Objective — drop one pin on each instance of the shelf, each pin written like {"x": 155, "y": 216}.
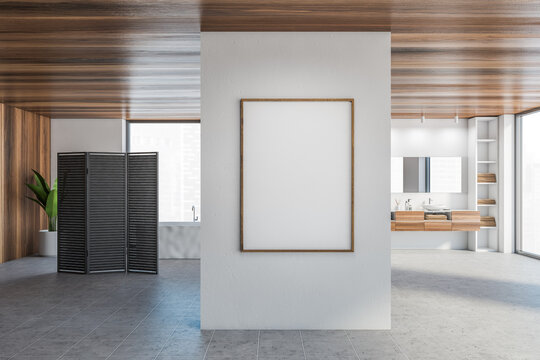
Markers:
{"x": 486, "y": 140}
{"x": 486, "y": 205}
{"x": 490, "y": 183}
{"x": 487, "y": 161}
{"x": 488, "y": 227}
{"x": 485, "y": 249}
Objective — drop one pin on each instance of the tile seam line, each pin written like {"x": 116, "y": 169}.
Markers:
{"x": 350, "y": 342}
{"x": 258, "y": 343}
{"x": 302, "y": 340}
{"x": 208, "y": 346}
{"x": 166, "y": 341}
{"x": 399, "y": 347}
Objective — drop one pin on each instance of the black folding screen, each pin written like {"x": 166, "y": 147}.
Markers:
{"x": 107, "y": 212}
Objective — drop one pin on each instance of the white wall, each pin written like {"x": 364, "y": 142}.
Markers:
{"x": 294, "y": 290}
{"x": 68, "y": 135}
{"x": 432, "y": 138}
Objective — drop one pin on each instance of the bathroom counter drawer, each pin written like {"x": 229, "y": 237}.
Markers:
{"x": 465, "y": 226}
{"x": 409, "y": 226}
{"x": 409, "y": 216}
{"x": 438, "y": 225}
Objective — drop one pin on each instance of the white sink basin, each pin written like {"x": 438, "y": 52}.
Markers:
{"x": 435, "y": 207}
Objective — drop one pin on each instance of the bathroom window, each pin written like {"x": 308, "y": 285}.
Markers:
{"x": 179, "y": 148}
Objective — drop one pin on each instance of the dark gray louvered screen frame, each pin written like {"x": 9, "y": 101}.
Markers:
{"x": 95, "y": 221}
{"x": 142, "y": 251}
{"x": 106, "y": 209}
{"x": 71, "y": 212}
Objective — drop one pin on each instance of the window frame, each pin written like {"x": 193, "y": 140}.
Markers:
{"x": 518, "y": 180}
{"x": 160, "y": 121}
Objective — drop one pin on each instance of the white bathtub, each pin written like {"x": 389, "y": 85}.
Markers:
{"x": 179, "y": 240}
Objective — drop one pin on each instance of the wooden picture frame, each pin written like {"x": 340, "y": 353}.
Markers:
{"x": 243, "y": 104}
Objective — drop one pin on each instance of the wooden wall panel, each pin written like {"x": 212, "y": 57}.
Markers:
{"x": 44, "y": 153}
{"x": 2, "y": 172}
{"x": 25, "y": 145}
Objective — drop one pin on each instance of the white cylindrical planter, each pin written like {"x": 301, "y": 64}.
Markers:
{"x": 47, "y": 243}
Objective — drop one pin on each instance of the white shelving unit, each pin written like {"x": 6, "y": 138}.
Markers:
{"x": 483, "y": 158}
{"x": 487, "y": 161}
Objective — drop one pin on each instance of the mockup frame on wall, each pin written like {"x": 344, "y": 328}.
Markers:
{"x": 297, "y": 175}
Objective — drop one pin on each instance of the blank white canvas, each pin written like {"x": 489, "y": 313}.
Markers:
{"x": 297, "y": 175}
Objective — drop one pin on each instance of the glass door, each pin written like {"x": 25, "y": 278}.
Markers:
{"x": 528, "y": 184}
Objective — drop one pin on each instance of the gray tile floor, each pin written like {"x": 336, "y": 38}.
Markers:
{"x": 446, "y": 305}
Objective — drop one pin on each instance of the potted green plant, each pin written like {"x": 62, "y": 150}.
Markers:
{"x": 47, "y": 198}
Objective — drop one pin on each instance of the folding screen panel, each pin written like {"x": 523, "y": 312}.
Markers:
{"x": 142, "y": 212}
{"x": 106, "y": 212}
{"x": 72, "y": 212}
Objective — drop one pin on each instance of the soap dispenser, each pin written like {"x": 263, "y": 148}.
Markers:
{"x": 408, "y": 204}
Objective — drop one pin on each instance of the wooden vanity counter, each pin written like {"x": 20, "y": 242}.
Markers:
{"x": 460, "y": 220}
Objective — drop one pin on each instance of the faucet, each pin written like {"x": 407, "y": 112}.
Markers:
{"x": 195, "y": 218}
{"x": 430, "y": 200}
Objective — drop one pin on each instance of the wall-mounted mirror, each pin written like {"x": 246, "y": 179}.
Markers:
{"x": 429, "y": 174}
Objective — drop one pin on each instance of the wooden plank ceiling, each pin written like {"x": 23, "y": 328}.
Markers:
{"x": 140, "y": 59}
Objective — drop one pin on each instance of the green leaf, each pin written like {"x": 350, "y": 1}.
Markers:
{"x": 52, "y": 204}
{"x": 37, "y": 202}
{"x": 39, "y": 192}
{"x": 41, "y": 180}
{"x": 55, "y": 185}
